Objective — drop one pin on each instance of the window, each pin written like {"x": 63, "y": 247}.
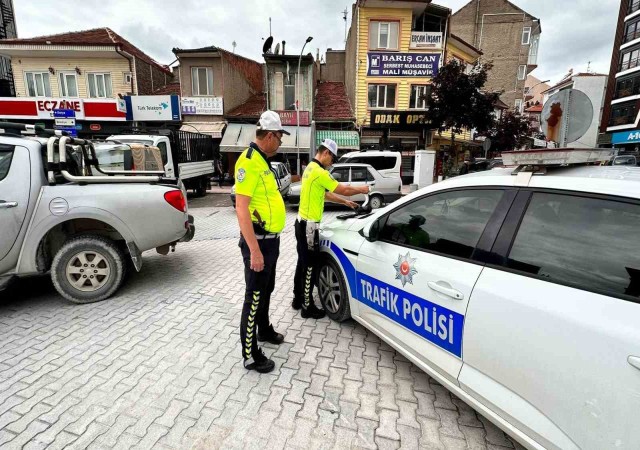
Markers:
{"x": 360, "y": 174}
{"x": 634, "y": 5}
{"x": 377, "y": 162}
{"x": 6, "y": 155}
{"x": 632, "y": 31}
{"x": 533, "y": 50}
{"x": 420, "y": 97}
{"x": 201, "y": 81}
{"x": 163, "y": 151}
{"x": 522, "y": 72}
{"x": 604, "y": 257}
{"x": 290, "y": 93}
{"x": 450, "y": 223}
{"x": 526, "y": 35}
{"x": 518, "y": 106}
{"x": 623, "y": 114}
{"x": 128, "y": 77}
{"x": 382, "y": 96}
{"x": 630, "y": 60}
{"x": 99, "y": 85}
{"x": 68, "y": 84}
{"x": 341, "y": 174}
{"x": 383, "y": 35}
{"x": 38, "y": 84}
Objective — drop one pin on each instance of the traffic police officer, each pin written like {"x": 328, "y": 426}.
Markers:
{"x": 261, "y": 216}
{"x": 317, "y": 186}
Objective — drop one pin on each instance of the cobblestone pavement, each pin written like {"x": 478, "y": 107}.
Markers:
{"x": 159, "y": 366}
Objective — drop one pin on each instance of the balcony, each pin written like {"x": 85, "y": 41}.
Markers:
{"x": 633, "y": 6}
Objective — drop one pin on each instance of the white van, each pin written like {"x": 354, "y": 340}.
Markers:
{"x": 386, "y": 162}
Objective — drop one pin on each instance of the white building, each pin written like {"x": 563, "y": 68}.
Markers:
{"x": 594, "y": 85}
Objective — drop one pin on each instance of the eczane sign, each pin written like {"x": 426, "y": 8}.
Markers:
{"x": 46, "y": 106}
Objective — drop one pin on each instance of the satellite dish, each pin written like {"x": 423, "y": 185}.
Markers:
{"x": 567, "y": 116}
{"x": 277, "y": 50}
{"x": 266, "y": 48}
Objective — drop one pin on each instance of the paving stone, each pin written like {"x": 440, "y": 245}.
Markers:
{"x": 159, "y": 366}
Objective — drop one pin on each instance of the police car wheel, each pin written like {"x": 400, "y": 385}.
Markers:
{"x": 333, "y": 291}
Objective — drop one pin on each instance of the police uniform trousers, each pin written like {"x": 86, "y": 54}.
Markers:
{"x": 257, "y": 297}
{"x": 307, "y": 267}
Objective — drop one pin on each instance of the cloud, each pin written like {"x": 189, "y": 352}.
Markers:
{"x": 156, "y": 26}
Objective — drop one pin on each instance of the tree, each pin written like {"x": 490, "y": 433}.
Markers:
{"x": 511, "y": 132}
{"x": 458, "y": 102}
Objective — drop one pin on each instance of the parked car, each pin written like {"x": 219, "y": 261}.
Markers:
{"x": 283, "y": 176}
{"x": 387, "y": 163}
{"x": 80, "y": 229}
{"x": 624, "y": 160}
{"x": 383, "y": 189}
{"x": 186, "y": 155}
{"x": 519, "y": 293}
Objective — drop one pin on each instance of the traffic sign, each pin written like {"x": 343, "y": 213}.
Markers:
{"x": 66, "y": 122}
{"x": 64, "y": 113}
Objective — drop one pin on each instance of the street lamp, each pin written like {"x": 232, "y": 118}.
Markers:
{"x": 309, "y": 39}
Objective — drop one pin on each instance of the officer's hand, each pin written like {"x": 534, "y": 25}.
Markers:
{"x": 350, "y": 204}
{"x": 257, "y": 261}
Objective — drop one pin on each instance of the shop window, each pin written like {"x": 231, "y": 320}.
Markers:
{"x": 68, "y": 84}
{"x": 201, "y": 81}
{"x": 383, "y": 35}
{"x": 38, "y": 84}
{"x": 382, "y": 96}
{"x": 99, "y": 85}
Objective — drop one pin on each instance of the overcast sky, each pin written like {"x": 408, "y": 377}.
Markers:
{"x": 573, "y": 33}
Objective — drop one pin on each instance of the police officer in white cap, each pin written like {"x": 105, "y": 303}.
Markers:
{"x": 317, "y": 186}
{"x": 261, "y": 216}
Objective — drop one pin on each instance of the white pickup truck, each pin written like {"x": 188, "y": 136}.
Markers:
{"x": 76, "y": 221}
{"x": 187, "y": 156}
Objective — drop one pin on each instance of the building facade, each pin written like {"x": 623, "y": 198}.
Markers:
{"x": 508, "y": 37}
{"x": 8, "y": 30}
{"x": 393, "y": 50}
{"x": 87, "y": 71}
{"x": 620, "y": 125}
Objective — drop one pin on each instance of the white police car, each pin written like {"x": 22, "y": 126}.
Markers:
{"x": 518, "y": 291}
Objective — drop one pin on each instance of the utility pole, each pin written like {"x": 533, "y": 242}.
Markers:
{"x": 345, "y": 14}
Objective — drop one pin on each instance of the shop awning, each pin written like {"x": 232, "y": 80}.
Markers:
{"x": 346, "y": 140}
{"x": 237, "y": 138}
{"x": 212, "y": 128}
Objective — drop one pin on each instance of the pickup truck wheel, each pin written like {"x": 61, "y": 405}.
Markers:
{"x": 88, "y": 269}
{"x": 201, "y": 190}
{"x": 376, "y": 202}
{"x": 333, "y": 291}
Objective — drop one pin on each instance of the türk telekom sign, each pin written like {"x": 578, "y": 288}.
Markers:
{"x": 34, "y": 108}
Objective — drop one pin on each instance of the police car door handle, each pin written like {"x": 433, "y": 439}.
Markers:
{"x": 634, "y": 361}
{"x": 449, "y": 292}
{"x": 7, "y": 205}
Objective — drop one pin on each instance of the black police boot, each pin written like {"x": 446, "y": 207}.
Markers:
{"x": 259, "y": 362}
{"x": 270, "y": 335}
{"x": 296, "y": 303}
{"x": 312, "y": 312}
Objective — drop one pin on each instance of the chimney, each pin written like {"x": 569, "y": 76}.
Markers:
{"x": 283, "y": 44}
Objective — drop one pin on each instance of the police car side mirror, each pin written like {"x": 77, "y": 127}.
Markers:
{"x": 371, "y": 232}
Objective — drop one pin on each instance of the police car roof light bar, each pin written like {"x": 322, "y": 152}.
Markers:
{"x": 542, "y": 158}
